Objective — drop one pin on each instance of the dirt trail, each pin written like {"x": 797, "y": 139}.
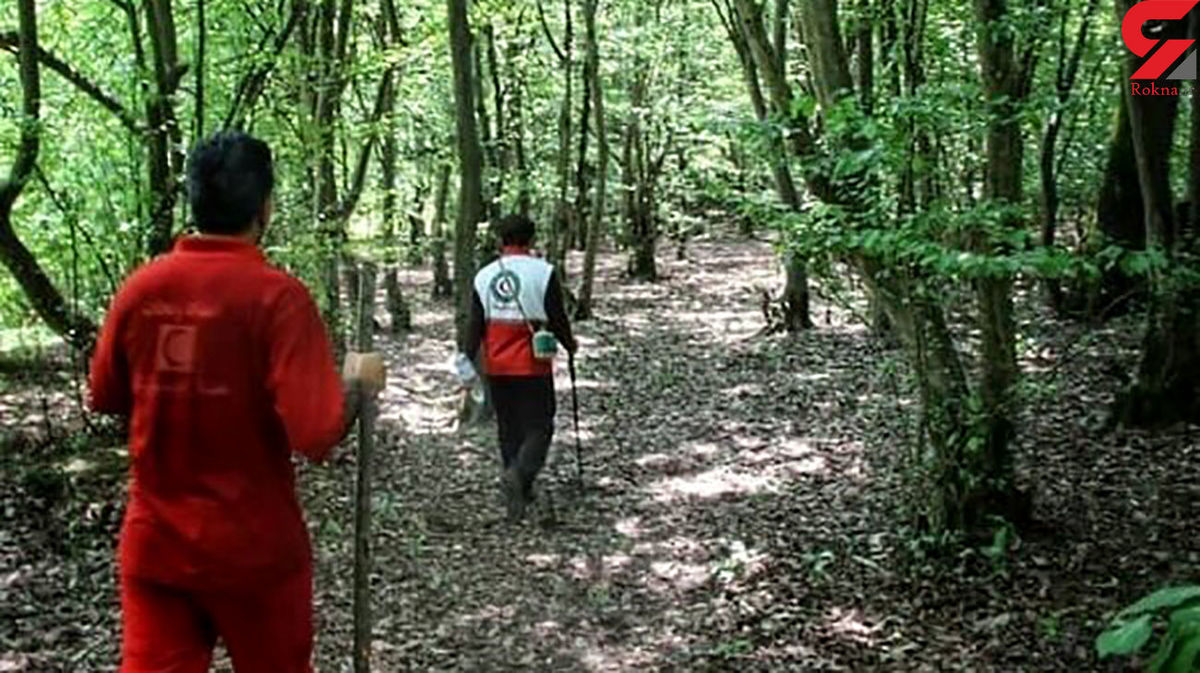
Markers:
{"x": 741, "y": 504}
{"x": 740, "y": 509}
{"x": 696, "y": 439}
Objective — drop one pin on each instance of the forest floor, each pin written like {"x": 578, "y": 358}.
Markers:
{"x": 741, "y": 506}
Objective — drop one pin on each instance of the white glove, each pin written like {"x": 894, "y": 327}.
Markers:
{"x": 366, "y": 368}
{"x": 464, "y": 369}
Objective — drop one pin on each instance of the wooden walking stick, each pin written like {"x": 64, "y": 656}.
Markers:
{"x": 362, "y": 497}
{"x": 575, "y": 414}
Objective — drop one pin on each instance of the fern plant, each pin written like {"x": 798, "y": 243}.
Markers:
{"x": 1178, "y": 646}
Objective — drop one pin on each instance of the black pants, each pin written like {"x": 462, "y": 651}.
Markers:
{"x": 525, "y": 407}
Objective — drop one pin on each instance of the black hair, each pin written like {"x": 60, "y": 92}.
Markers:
{"x": 230, "y": 177}
{"x": 515, "y": 230}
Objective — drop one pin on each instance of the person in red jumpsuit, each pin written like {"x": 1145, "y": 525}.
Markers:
{"x": 224, "y": 368}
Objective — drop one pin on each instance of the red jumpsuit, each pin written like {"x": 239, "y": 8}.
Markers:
{"x": 224, "y": 367}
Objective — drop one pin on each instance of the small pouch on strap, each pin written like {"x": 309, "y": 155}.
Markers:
{"x": 545, "y": 345}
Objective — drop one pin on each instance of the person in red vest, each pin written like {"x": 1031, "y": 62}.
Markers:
{"x": 514, "y": 297}
{"x": 224, "y": 367}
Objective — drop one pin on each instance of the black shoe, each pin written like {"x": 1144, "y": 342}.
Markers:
{"x": 514, "y": 495}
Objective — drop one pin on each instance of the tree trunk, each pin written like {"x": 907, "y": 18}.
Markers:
{"x": 628, "y": 178}
{"x": 942, "y": 491}
{"x": 865, "y": 46}
{"x": 911, "y": 76}
{"x": 307, "y": 73}
{"x": 880, "y": 326}
{"x": 1168, "y": 377}
{"x": 491, "y": 169}
{"x": 387, "y": 182}
{"x": 1121, "y": 212}
{"x": 325, "y": 191}
{"x": 834, "y": 79}
{"x": 442, "y": 287}
{"x": 1120, "y": 215}
{"x": 416, "y": 223}
{"x": 579, "y": 217}
{"x": 769, "y": 62}
{"x": 497, "y": 151}
{"x": 889, "y": 34}
{"x": 517, "y": 115}
{"x": 333, "y": 212}
{"x": 1049, "y": 200}
{"x": 796, "y": 315}
{"x": 643, "y": 266}
{"x": 1066, "y": 72}
{"x": 795, "y": 291}
{"x": 990, "y": 479}
{"x": 45, "y": 299}
{"x": 583, "y": 310}
{"x": 785, "y": 186}
{"x": 396, "y": 304}
{"x": 165, "y": 142}
{"x": 831, "y": 71}
{"x": 639, "y": 183}
{"x": 958, "y": 488}
{"x": 470, "y": 157}
{"x": 563, "y": 215}
{"x": 201, "y": 39}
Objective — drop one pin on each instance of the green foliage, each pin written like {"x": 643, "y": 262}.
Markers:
{"x": 1133, "y": 628}
{"x": 1050, "y": 626}
{"x": 732, "y": 649}
{"x": 997, "y": 551}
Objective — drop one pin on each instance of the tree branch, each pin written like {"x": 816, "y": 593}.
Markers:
{"x": 43, "y": 296}
{"x": 252, "y": 85}
{"x": 31, "y": 99}
{"x": 345, "y": 18}
{"x": 69, "y": 211}
{"x": 562, "y": 58}
{"x": 779, "y": 25}
{"x": 1072, "y": 71}
{"x": 1029, "y": 58}
{"x": 359, "y": 178}
{"x": 393, "y": 24}
{"x": 716, "y": 4}
{"x": 9, "y": 42}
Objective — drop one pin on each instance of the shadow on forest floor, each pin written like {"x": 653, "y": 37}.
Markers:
{"x": 740, "y": 509}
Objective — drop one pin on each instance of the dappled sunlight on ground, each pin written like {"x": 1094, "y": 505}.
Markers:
{"x": 697, "y": 435}
{"x": 849, "y": 625}
{"x": 732, "y": 513}
{"x": 674, "y": 431}
{"x": 716, "y": 483}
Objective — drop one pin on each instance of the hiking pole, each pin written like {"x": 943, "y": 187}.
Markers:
{"x": 575, "y": 414}
{"x": 363, "y": 560}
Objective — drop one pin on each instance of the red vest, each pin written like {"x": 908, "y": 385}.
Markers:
{"x": 512, "y": 290}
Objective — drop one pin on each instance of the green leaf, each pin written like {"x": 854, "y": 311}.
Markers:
{"x": 803, "y": 106}
{"x": 1163, "y": 598}
{"x": 1127, "y": 638}
{"x": 1165, "y": 648}
{"x": 1185, "y": 617}
{"x": 1186, "y": 650}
